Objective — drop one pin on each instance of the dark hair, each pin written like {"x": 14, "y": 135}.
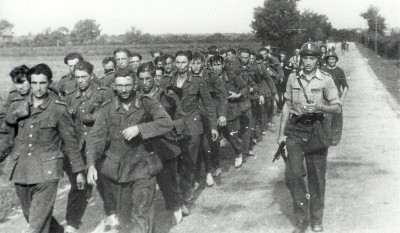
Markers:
{"x": 124, "y": 72}
{"x": 263, "y": 49}
{"x": 184, "y": 53}
{"x": 122, "y": 50}
{"x": 216, "y": 58}
{"x": 245, "y": 50}
{"x": 84, "y": 66}
{"x": 198, "y": 56}
{"x": 221, "y": 51}
{"x": 152, "y": 52}
{"x": 108, "y": 60}
{"x": 166, "y": 56}
{"x": 146, "y": 67}
{"x": 18, "y": 73}
{"x": 160, "y": 68}
{"x": 253, "y": 53}
{"x": 40, "y": 69}
{"x": 157, "y": 60}
{"x": 259, "y": 57}
{"x": 72, "y": 56}
{"x": 233, "y": 51}
{"x": 136, "y": 55}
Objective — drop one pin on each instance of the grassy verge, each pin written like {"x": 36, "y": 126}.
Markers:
{"x": 388, "y": 71}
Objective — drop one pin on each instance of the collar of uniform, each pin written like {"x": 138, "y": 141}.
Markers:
{"x": 46, "y": 102}
{"x": 317, "y": 75}
{"x": 225, "y": 76}
{"x": 188, "y": 74}
{"x": 110, "y": 72}
{"x": 135, "y": 102}
{"x": 88, "y": 92}
{"x": 200, "y": 74}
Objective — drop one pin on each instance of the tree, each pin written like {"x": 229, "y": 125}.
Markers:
{"x": 133, "y": 35}
{"x": 60, "y": 35}
{"x": 85, "y": 31}
{"x": 374, "y": 19}
{"x": 275, "y": 21}
{"x": 5, "y": 25}
{"x": 318, "y": 27}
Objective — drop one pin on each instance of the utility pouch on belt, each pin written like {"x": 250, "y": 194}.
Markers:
{"x": 154, "y": 163}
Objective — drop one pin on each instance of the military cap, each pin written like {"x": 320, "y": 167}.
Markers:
{"x": 310, "y": 49}
{"x": 331, "y": 54}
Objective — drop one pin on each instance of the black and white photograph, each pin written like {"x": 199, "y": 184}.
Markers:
{"x": 199, "y": 116}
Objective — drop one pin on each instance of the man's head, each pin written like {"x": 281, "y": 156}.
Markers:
{"x": 136, "y": 60}
{"x": 259, "y": 59}
{"x": 40, "y": 77}
{"x": 20, "y": 79}
{"x": 217, "y": 64}
{"x": 252, "y": 57}
{"x": 263, "y": 52}
{"x": 244, "y": 56}
{"x": 156, "y": 53}
{"x": 168, "y": 63}
{"x": 124, "y": 83}
{"x": 146, "y": 73}
{"x": 158, "y": 76}
{"x": 297, "y": 52}
{"x": 197, "y": 63}
{"x": 109, "y": 64}
{"x": 331, "y": 58}
{"x": 323, "y": 49}
{"x": 158, "y": 62}
{"x": 83, "y": 74}
{"x": 310, "y": 53}
{"x": 231, "y": 54}
{"x": 122, "y": 57}
{"x": 182, "y": 59}
{"x": 282, "y": 57}
{"x": 71, "y": 60}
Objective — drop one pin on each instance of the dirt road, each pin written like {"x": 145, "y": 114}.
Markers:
{"x": 363, "y": 178}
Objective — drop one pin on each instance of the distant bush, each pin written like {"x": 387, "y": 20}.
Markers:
{"x": 388, "y": 46}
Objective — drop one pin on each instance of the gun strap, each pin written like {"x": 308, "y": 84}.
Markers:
{"x": 303, "y": 90}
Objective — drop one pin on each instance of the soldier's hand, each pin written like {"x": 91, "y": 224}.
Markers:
{"x": 130, "y": 132}
{"x": 261, "y": 100}
{"x": 312, "y": 107}
{"x": 221, "y": 121}
{"x": 80, "y": 181}
{"x": 281, "y": 138}
{"x": 92, "y": 176}
{"x": 233, "y": 95}
{"x": 214, "y": 135}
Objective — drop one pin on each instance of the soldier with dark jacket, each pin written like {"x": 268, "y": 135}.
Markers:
{"x": 169, "y": 70}
{"x": 166, "y": 146}
{"x": 109, "y": 65}
{"x": 236, "y": 89}
{"x": 309, "y": 95}
{"x": 120, "y": 136}
{"x": 192, "y": 91}
{"x": 36, "y": 162}
{"x": 67, "y": 83}
{"x": 209, "y": 149}
{"x": 84, "y": 104}
{"x": 281, "y": 85}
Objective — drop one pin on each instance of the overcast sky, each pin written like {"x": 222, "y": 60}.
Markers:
{"x": 175, "y": 16}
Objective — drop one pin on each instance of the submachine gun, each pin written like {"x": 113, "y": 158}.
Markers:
{"x": 280, "y": 152}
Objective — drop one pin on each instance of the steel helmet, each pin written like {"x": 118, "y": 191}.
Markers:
{"x": 331, "y": 54}
{"x": 310, "y": 49}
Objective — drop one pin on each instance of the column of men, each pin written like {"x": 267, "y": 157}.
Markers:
{"x": 142, "y": 123}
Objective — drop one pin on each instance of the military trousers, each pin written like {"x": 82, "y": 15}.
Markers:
{"x": 231, "y": 134}
{"x": 305, "y": 178}
{"x": 336, "y": 128}
{"x": 37, "y": 203}
{"x": 256, "y": 111}
{"x": 167, "y": 180}
{"x": 266, "y": 112}
{"x": 245, "y": 132}
{"x": 135, "y": 204}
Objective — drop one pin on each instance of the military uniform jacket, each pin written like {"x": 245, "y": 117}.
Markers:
{"x": 125, "y": 161}
{"x": 267, "y": 85}
{"x": 217, "y": 90}
{"x": 165, "y": 81}
{"x": 107, "y": 80}
{"x": 84, "y": 108}
{"x": 195, "y": 89}
{"x": 66, "y": 84}
{"x": 36, "y": 156}
{"x": 235, "y": 84}
{"x": 275, "y": 66}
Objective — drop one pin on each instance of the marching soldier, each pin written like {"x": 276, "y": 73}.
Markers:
{"x": 36, "y": 160}
{"x": 169, "y": 70}
{"x": 120, "y": 136}
{"x": 109, "y": 65}
{"x": 83, "y": 105}
{"x": 67, "y": 83}
{"x": 309, "y": 95}
{"x": 295, "y": 60}
{"x": 339, "y": 78}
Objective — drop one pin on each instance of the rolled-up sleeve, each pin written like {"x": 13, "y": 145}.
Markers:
{"x": 331, "y": 92}
{"x": 289, "y": 84}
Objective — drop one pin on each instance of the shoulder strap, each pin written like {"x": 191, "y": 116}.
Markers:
{"x": 304, "y": 91}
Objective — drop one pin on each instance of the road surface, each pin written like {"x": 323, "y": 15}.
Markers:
{"x": 363, "y": 177}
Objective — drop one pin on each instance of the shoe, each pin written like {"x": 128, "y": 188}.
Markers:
{"x": 196, "y": 185}
{"x": 263, "y": 133}
{"x": 254, "y": 141}
{"x": 209, "y": 180}
{"x": 238, "y": 161}
{"x": 251, "y": 153}
{"x": 301, "y": 227}
{"x": 189, "y": 196}
{"x": 111, "y": 222}
{"x": 217, "y": 172}
{"x": 178, "y": 216}
{"x": 185, "y": 211}
{"x": 317, "y": 228}
{"x": 70, "y": 229}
